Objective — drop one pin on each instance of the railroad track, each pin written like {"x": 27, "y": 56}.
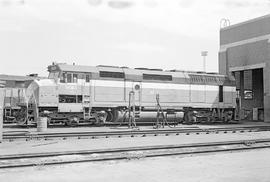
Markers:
{"x": 57, "y": 158}
{"x": 153, "y": 132}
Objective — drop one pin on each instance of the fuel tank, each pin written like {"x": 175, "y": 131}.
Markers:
{"x": 149, "y": 116}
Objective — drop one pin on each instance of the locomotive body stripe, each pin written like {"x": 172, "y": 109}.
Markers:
{"x": 129, "y": 84}
{"x": 107, "y": 83}
{"x": 211, "y": 88}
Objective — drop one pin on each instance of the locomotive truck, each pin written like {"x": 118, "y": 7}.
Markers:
{"x": 73, "y": 94}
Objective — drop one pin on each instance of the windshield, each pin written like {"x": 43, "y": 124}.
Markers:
{"x": 53, "y": 75}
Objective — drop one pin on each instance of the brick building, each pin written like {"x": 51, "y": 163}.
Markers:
{"x": 245, "y": 53}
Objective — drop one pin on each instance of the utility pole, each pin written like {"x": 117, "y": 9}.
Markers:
{"x": 204, "y": 54}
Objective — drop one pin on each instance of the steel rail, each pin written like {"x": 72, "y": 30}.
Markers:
{"x": 41, "y": 159}
{"x": 27, "y": 136}
{"x": 140, "y": 131}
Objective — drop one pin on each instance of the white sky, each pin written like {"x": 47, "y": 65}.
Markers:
{"x": 167, "y": 34}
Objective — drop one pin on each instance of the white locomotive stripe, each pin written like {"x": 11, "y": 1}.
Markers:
{"x": 197, "y": 87}
{"x": 129, "y": 84}
{"x": 211, "y": 88}
{"x": 107, "y": 83}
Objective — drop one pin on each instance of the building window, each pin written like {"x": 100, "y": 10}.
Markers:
{"x": 157, "y": 77}
{"x": 237, "y": 79}
{"x": 247, "y": 79}
{"x": 109, "y": 74}
{"x": 248, "y": 94}
{"x": 220, "y": 93}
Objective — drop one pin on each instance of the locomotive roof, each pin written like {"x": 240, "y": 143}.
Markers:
{"x": 76, "y": 68}
{"x": 133, "y": 71}
{"x": 16, "y": 78}
{"x": 144, "y": 74}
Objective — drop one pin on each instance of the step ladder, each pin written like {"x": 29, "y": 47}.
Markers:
{"x": 86, "y": 113}
{"x": 86, "y": 102}
{"x": 133, "y": 114}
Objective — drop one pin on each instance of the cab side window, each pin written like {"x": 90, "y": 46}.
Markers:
{"x": 75, "y": 78}
{"x": 69, "y": 78}
{"x": 87, "y": 78}
{"x": 63, "y": 78}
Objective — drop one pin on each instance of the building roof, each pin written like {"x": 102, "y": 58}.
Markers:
{"x": 246, "y": 22}
{"x": 15, "y": 78}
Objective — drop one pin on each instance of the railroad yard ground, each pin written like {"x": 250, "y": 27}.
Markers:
{"x": 59, "y": 145}
{"x": 251, "y": 165}
{"x": 88, "y": 143}
{"x": 222, "y": 167}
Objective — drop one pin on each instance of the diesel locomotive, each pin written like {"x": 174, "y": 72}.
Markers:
{"x": 73, "y": 94}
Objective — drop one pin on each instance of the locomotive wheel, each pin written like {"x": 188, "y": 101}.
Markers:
{"x": 21, "y": 121}
{"x": 99, "y": 123}
{"x": 73, "y": 121}
{"x": 227, "y": 117}
{"x": 110, "y": 116}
